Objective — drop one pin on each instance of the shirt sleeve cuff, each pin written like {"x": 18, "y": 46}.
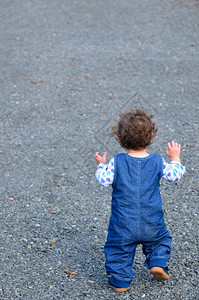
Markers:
{"x": 102, "y": 165}
{"x": 175, "y": 162}
{"x": 183, "y": 168}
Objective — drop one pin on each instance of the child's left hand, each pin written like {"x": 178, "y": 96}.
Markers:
{"x": 173, "y": 151}
{"x": 99, "y": 158}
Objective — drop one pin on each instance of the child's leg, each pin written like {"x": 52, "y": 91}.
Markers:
{"x": 157, "y": 254}
{"x": 119, "y": 263}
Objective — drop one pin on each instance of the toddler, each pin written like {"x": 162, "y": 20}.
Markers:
{"x": 136, "y": 214}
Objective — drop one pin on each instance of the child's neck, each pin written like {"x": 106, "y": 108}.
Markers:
{"x": 138, "y": 153}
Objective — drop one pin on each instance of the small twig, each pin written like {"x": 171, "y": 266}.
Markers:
{"x": 69, "y": 272}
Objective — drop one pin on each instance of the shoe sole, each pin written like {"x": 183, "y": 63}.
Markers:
{"x": 118, "y": 290}
{"x": 159, "y": 274}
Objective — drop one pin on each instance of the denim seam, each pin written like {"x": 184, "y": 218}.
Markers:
{"x": 138, "y": 196}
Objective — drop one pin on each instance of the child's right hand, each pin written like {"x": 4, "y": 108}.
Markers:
{"x": 173, "y": 151}
{"x": 100, "y": 158}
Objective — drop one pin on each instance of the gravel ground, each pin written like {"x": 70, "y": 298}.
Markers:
{"x": 67, "y": 69}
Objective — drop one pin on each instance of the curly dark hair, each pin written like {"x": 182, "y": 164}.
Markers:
{"x": 135, "y": 129}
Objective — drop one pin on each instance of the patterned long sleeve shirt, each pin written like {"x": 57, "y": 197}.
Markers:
{"x": 171, "y": 172}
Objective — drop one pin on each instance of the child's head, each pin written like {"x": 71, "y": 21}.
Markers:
{"x": 135, "y": 129}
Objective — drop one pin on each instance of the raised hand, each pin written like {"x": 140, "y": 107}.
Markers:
{"x": 99, "y": 158}
{"x": 173, "y": 151}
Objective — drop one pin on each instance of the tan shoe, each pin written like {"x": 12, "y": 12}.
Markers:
{"x": 117, "y": 289}
{"x": 159, "y": 273}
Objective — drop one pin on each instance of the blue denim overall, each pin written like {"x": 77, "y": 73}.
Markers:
{"x": 136, "y": 217}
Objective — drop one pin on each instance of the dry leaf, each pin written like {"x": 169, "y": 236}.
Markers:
{"x": 36, "y": 82}
{"x": 57, "y": 185}
{"x": 69, "y": 272}
{"x": 16, "y": 79}
{"x": 52, "y": 242}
